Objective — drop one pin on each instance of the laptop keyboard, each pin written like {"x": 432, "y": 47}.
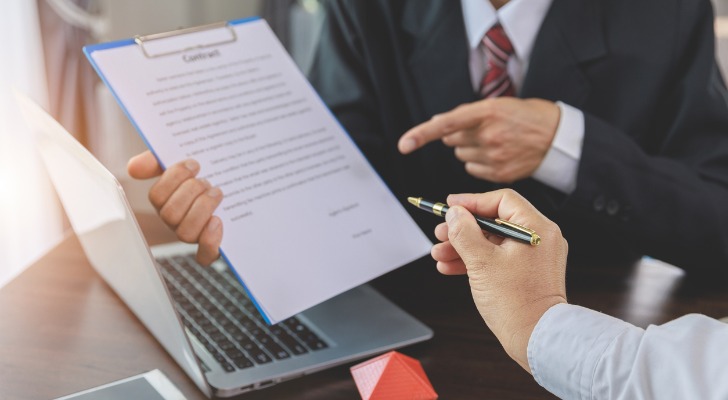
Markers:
{"x": 215, "y": 309}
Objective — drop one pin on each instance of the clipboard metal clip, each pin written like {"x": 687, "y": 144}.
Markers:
{"x": 144, "y": 41}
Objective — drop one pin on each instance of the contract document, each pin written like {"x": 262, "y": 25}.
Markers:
{"x": 305, "y": 217}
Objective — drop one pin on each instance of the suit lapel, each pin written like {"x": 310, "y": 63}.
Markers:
{"x": 438, "y": 60}
{"x": 570, "y": 38}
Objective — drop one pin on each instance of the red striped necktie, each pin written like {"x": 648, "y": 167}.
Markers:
{"x": 498, "y": 49}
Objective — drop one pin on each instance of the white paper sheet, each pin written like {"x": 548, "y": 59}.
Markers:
{"x": 305, "y": 216}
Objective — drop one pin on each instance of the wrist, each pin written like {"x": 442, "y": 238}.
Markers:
{"x": 516, "y": 333}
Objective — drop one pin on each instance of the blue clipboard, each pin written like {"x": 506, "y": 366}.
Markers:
{"x": 151, "y": 47}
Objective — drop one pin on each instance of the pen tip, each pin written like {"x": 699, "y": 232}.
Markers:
{"x": 414, "y": 200}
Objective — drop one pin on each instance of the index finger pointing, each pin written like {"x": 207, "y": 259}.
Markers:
{"x": 441, "y": 125}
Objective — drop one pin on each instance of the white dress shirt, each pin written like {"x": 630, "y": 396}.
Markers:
{"x": 521, "y": 20}
{"x": 578, "y": 353}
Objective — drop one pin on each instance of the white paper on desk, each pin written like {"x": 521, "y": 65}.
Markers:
{"x": 305, "y": 216}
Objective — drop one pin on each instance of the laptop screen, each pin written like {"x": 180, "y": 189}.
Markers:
{"x": 109, "y": 234}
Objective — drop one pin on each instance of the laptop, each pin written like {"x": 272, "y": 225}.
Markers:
{"x": 200, "y": 315}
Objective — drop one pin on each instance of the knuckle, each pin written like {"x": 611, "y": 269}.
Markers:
{"x": 498, "y": 156}
{"x": 170, "y": 215}
{"x": 198, "y": 186}
{"x": 154, "y": 201}
{"x": 176, "y": 173}
{"x": 203, "y": 204}
{"x": 156, "y": 198}
{"x": 554, "y": 231}
{"x": 557, "y": 230}
{"x": 554, "y": 228}
{"x": 446, "y": 125}
{"x": 171, "y": 179}
{"x": 206, "y": 205}
{"x": 186, "y": 235}
{"x": 508, "y": 195}
{"x": 493, "y": 138}
{"x": 491, "y": 108}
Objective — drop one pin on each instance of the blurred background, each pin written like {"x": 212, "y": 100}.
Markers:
{"x": 42, "y": 58}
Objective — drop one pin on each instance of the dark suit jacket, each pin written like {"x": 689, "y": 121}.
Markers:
{"x": 653, "y": 177}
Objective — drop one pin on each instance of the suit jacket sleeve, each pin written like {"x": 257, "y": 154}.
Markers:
{"x": 339, "y": 74}
{"x": 670, "y": 200}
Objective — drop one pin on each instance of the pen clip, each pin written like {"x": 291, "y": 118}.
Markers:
{"x": 515, "y": 226}
{"x": 535, "y": 239}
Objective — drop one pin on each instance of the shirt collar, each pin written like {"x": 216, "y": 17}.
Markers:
{"x": 521, "y": 19}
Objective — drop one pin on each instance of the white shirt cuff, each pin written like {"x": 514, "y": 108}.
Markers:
{"x": 566, "y": 346}
{"x": 560, "y": 166}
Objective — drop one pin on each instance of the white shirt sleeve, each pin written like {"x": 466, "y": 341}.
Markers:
{"x": 578, "y": 353}
{"x": 560, "y": 166}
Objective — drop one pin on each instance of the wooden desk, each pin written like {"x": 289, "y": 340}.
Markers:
{"x": 63, "y": 330}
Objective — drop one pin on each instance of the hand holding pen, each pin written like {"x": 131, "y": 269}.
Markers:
{"x": 496, "y": 226}
{"x": 512, "y": 285}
